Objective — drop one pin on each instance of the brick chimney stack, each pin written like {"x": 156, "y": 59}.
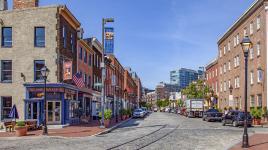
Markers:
{"x": 20, "y": 4}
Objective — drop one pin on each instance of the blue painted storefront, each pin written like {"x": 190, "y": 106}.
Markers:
{"x": 56, "y": 97}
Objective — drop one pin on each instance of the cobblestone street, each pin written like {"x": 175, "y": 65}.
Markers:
{"x": 157, "y": 131}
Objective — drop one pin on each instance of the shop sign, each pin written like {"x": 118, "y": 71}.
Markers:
{"x": 67, "y": 70}
{"x": 47, "y": 89}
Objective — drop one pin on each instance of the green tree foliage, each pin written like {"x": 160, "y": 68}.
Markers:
{"x": 197, "y": 90}
{"x": 162, "y": 103}
{"x": 180, "y": 103}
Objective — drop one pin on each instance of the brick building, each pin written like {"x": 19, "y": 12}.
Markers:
{"x": 130, "y": 91}
{"x": 252, "y": 23}
{"x": 45, "y": 36}
{"x": 85, "y": 55}
{"x": 212, "y": 78}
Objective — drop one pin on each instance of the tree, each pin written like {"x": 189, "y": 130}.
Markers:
{"x": 197, "y": 90}
{"x": 180, "y": 103}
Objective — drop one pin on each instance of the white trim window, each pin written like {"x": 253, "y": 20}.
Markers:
{"x": 229, "y": 83}
{"x": 259, "y": 100}
{"x": 238, "y": 82}
{"x": 216, "y": 87}
{"x": 220, "y": 69}
{"x": 251, "y": 28}
{"x": 229, "y": 46}
{"x": 224, "y": 86}
{"x": 245, "y": 31}
{"x": 224, "y": 68}
{"x": 221, "y": 87}
{"x": 251, "y": 77}
{"x": 237, "y": 60}
{"x": 258, "y": 48}
{"x": 259, "y": 74}
{"x": 258, "y": 22}
{"x": 224, "y": 50}
{"x": 229, "y": 65}
{"x": 235, "y": 65}
{"x": 234, "y": 41}
{"x": 220, "y": 53}
{"x": 216, "y": 72}
{"x": 251, "y": 53}
{"x": 252, "y": 101}
{"x": 237, "y": 39}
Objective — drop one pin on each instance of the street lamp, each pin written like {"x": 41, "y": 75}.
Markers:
{"x": 103, "y": 70}
{"x": 45, "y": 72}
{"x": 246, "y": 46}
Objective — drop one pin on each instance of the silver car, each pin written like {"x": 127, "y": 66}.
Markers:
{"x": 138, "y": 113}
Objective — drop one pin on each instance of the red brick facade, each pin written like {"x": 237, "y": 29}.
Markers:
{"x": 20, "y": 4}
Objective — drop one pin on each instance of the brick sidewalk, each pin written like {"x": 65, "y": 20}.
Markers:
{"x": 256, "y": 142}
{"x": 81, "y": 130}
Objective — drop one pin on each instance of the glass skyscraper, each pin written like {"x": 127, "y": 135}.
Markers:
{"x": 183, "y": 77}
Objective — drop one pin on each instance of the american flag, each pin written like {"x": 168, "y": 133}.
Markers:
{"x": 78, "y": 80}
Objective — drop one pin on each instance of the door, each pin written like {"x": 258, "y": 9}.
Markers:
{"x": 53, "y": 112}
{"x": 33, "y": 110}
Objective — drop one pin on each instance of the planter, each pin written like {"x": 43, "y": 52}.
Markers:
{"x": 124, "y": 117}
{"x": 21, "y": 131}
{"x": 107, "y": 123}
{"x": 257, "y": 121}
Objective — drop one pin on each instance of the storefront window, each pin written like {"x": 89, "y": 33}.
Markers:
{"x": 73, "y": 110}
{"x": 6, "y": 106}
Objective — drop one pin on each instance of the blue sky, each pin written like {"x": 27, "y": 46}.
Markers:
{"x": 156, "y": 36}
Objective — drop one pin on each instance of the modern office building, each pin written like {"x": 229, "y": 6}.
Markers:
{"x": 183, "y": 77}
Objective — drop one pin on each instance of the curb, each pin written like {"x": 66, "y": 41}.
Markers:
{"x": 113, "y": 127}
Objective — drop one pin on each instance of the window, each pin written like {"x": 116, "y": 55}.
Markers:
{"x": 224, "y": 50}
{"x": 6, "y": 36}
{"x": 64, "y": 37}
{"x": 251, "y": 28}
{"x": 258, "y": 22}
{"x": 90, "y": 59}
{"x": 251, "y": 53}
{"x": 229, "y": 46}
{"x": 237, "y": 40}
{"x": 259, "y": 100}
{"x": 238, "y": 82}
{"x": 72, "y": 41}
{"x": 81, "y": 53}
{"x": 251, "y": 77}
{"x": 220, "y": 69}
{"x": 224, "y": 86}
{"x": 224, "y": 68}
{"x": 6, "y": 106}
{"x": 221, "y": 87}
{"x": 235, "y": 62}
{"x": 252, "y": 101}
{"x": 38, "y": 65}
{"x": 234, "y": 41}
{"x": 85, "y": 79}
{"x": 216, "y": 87}
{"x": 213, "y": 74}
{"x": 216, "y": 72}
{"x": 85, "y": 56}
{"x": 245, "y": 32}
{"x": 6, "y": 71}
{"x": 89, "y": 81}
{"x": 39, "y": 37}
{"x": 258, "y": 48}
{"x": 229, "y": 65}
{"x": 229, "y": 83}
{"x": 259, "y": 72}
{"x": 220, "y": 54}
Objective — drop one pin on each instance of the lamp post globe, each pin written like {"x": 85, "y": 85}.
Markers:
{"x": 45, "y": 71}
{"x": 246, "y": 45}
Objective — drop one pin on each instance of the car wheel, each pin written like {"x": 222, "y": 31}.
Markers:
{"x": 235, "y": 123}
{"x": 223, "y": 123}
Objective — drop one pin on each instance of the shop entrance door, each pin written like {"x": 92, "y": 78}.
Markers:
{"x": 53, "y": 112}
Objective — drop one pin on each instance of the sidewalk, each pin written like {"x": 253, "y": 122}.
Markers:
{"x": 256, "y": 142}
{"x": 81, "y": 130}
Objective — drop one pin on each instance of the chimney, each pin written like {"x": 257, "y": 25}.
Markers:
{"x": 21, "y": 4}
{"x": 3, "y": 5}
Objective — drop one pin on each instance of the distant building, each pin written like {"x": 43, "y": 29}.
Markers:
{"x": 183, "y": 77}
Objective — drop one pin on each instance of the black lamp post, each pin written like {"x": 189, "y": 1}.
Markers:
{"x": 45, "y": 72}
{"x": 246, "y": 46}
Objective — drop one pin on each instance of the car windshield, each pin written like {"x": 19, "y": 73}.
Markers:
{"x": 138, "y": 110}
{"x": 212, "y": 110}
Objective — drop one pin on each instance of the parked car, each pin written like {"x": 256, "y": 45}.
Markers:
{"x": 138, "y": 113}
{"x": 212, "y": 115}
{"x": 167, "y": 109}
{"x": 155, "y": 109}
{"x": 236, "y": 118}
{"x": 145, "y": 110}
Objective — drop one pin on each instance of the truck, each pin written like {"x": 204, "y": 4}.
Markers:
{"x": 194, "y": 108}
